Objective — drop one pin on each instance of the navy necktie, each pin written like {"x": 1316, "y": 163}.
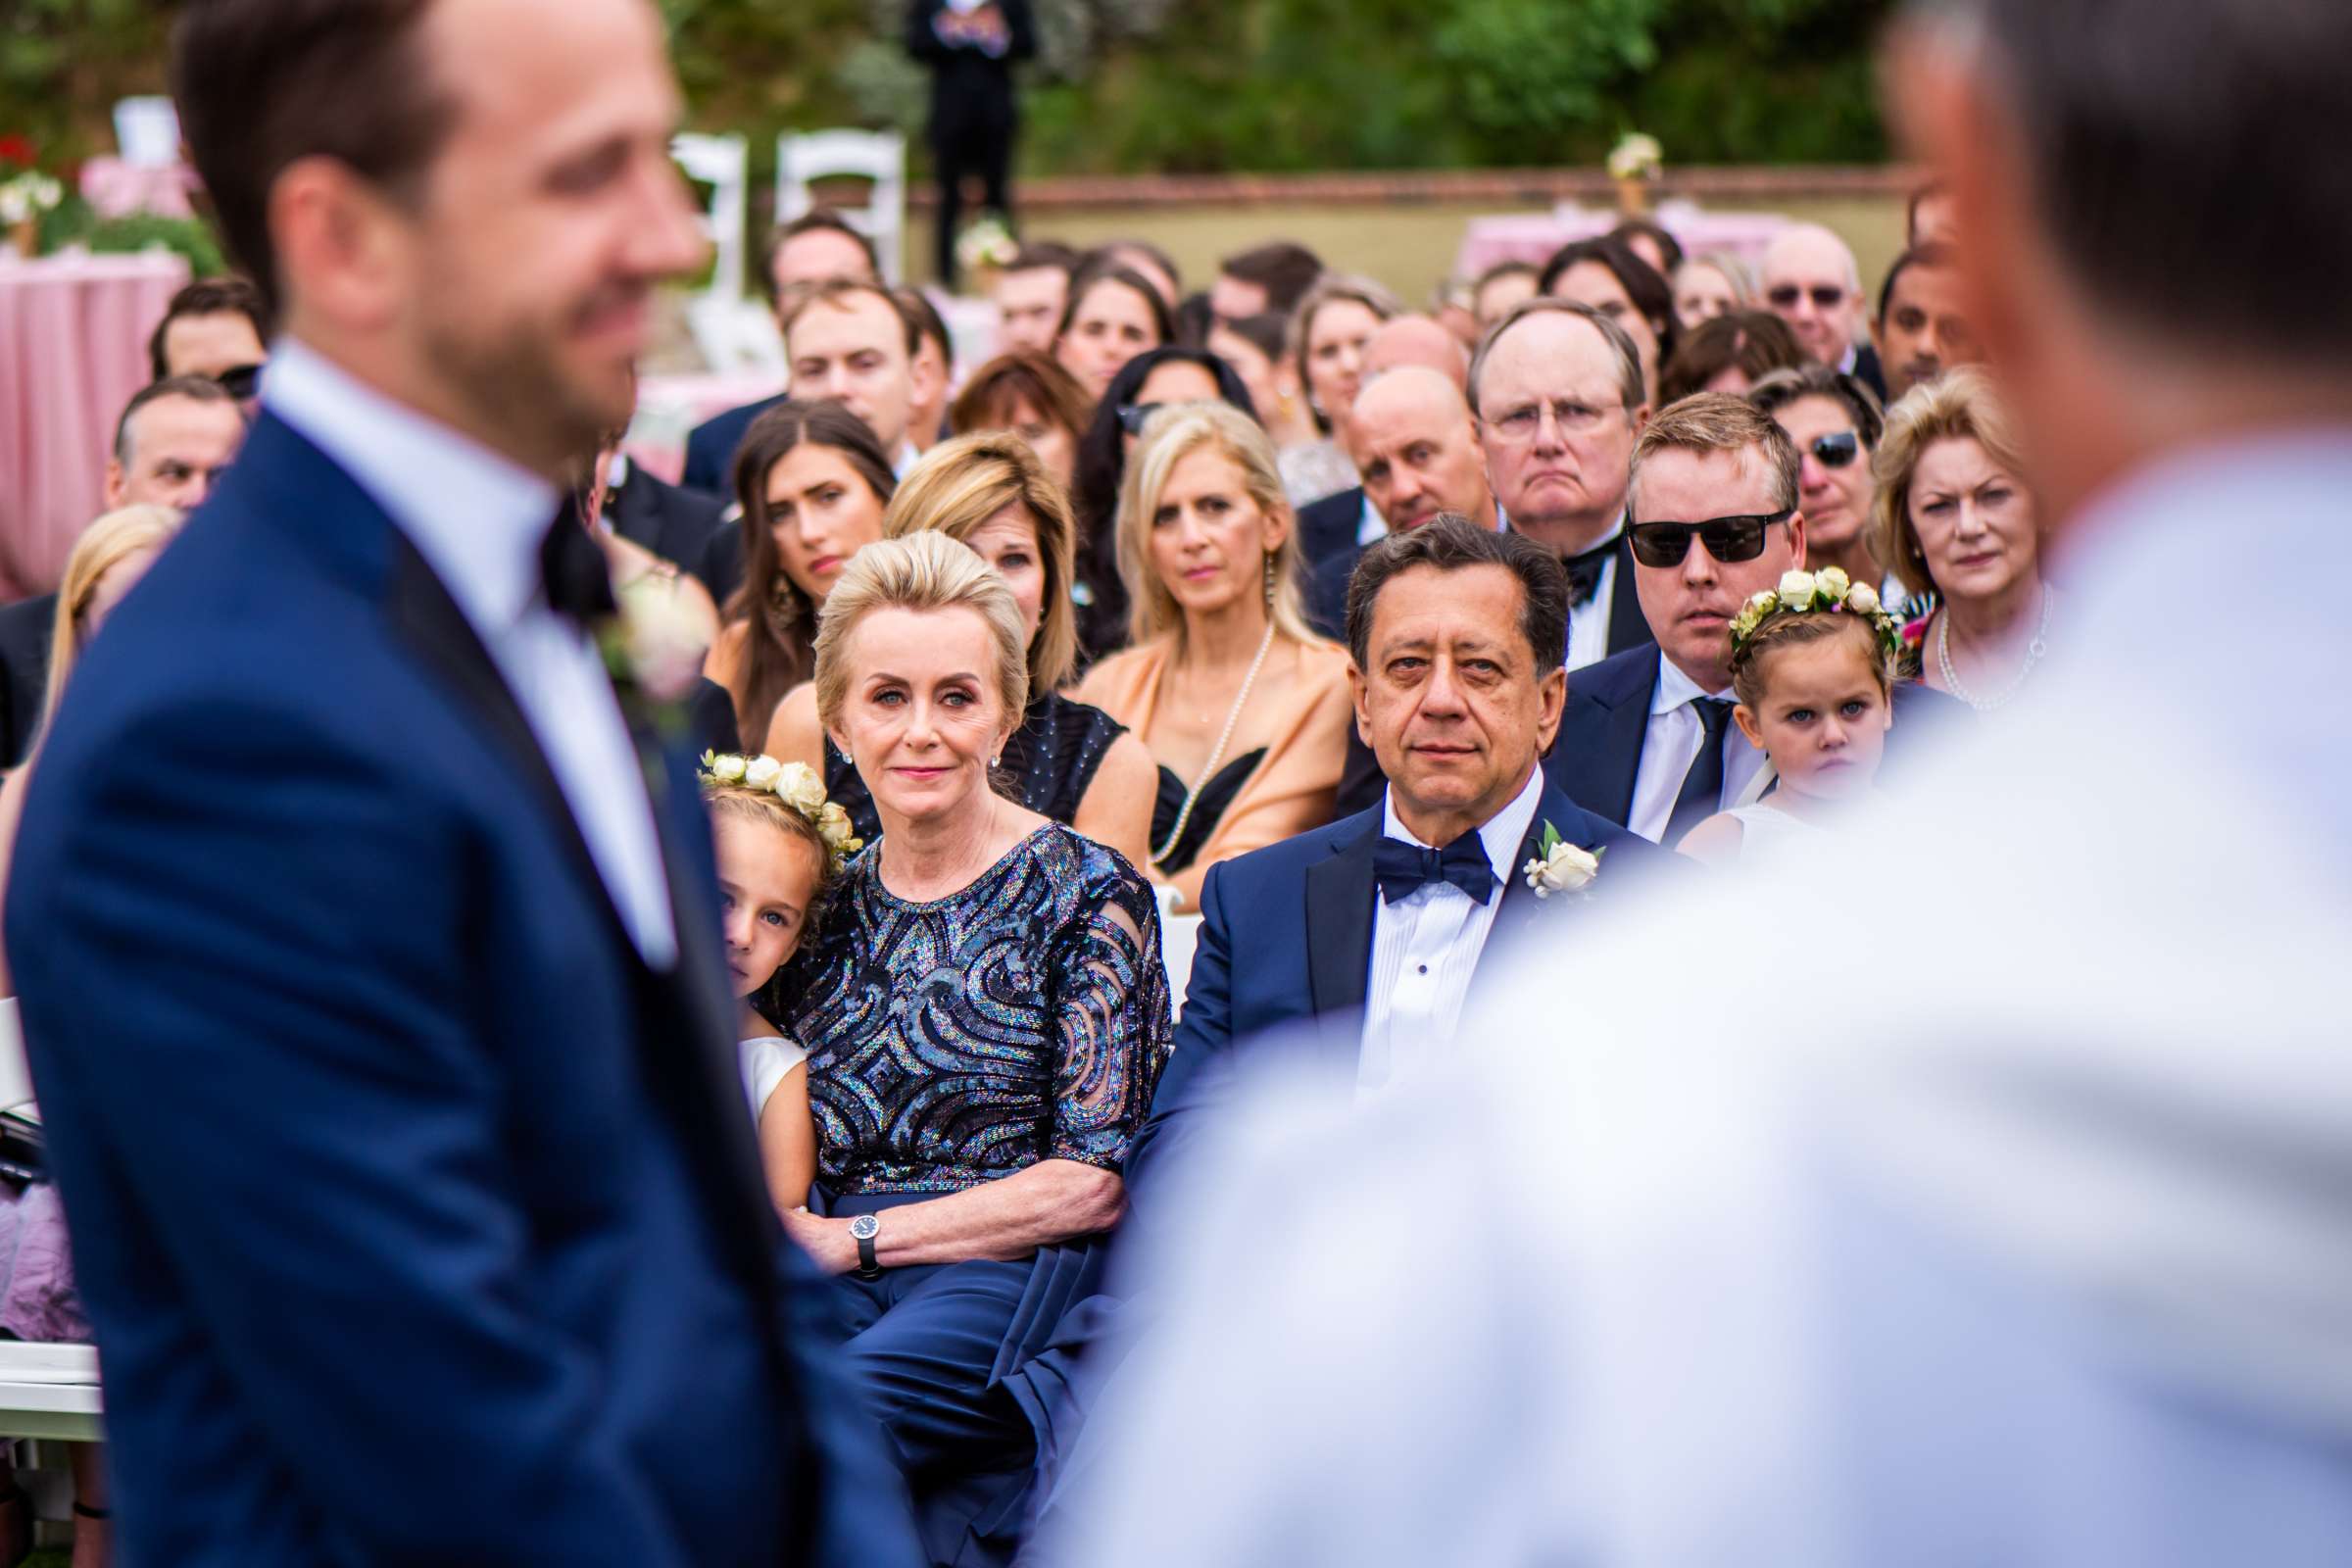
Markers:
{"x": 571, "y": 566}
{"x": 1401, "y": 869}
{"x": 1702, "y": 794}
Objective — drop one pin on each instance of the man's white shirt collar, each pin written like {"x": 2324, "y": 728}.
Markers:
{"x": 1502, "y": 833}
{"x": 1676, "y": 688}
{"x": 478, "y": 518}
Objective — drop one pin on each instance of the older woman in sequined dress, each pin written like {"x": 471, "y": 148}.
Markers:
{"x": 986, "y": 1017}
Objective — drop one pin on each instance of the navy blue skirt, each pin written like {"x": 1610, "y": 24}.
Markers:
{"x": 971, "y": 1369}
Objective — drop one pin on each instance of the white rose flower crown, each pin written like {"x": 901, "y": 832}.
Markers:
{"x": 797, "y": 785}
{"x": 1828, "y": 591}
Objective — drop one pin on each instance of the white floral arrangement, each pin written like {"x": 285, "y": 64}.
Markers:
{"x": 797, "y": 785}
{"x": 1828, "y": 591}
{"x": 26, "y": 196}
{"x": 986, "y": 244}
{"x": 1636, "y": 157}
{"x": 1561, "y": 866}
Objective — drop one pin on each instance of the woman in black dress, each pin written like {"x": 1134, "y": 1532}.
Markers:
{"x": 986, "y": 1017}
{"x": 1068, "y": 763}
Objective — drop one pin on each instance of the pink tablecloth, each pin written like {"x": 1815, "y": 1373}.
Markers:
{"x": 74, "y": 335}
{"x": 116, "y": 188}
{"x": 1534, "y": 236}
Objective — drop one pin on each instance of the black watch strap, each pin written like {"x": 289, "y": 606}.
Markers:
{"x": 869, "y": 1267}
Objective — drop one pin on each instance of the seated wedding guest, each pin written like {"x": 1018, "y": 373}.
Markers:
{"x": 1342, "y": 522}
{"x": 1607, "y": 275}
{"x": 39, "y": 1302}
{"x": 1729, "y": 354}
{"x": 777, "y": 843}
{"x": 857, "y": 344}
{"x": 1957, "y": 526}
{"x": 811, "y": 482}
{"x": 1557, "y": 391}
{"x": 173, "y": 442}
{"x": 1258, "y": 348}
{"x": 1268, "y": 279}
{"x": 1149, "y": 379}
{"x": 813, "y": 249}
{"x": 1811, "y": 281}
{"x": 1654, "y": 243}
{"x": 1710, "y": 285}
{"x": 934, "y": 366}
{"x": 1112, "y": 315}
{"x": 1376, "y": 925}
{"x": 986, "y": 1016}
{"x": 1927, "y": 217}
{"x": 1921, "y": 329}
{"x": 1030, "y": 395}
{"x": 1836, "y": 423}
{"x": 1143, "y": 259}
{"x": 1067, "y": 761}
{"x": 1333, "y": 321}
{"x": 1500, "y": 287}
{"x": 1241, "y": 706}
{"x": 1813, "y": 662}
{"x": 648, "y": 525}
{"x": 1419, "y": 449}
{"x": 1449, "y": 307}
{"x": 1029, "y": 293}
{"x": 217, "y": 328}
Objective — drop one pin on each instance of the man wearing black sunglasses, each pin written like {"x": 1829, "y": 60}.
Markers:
{"x": 217, "y": 328}
{"x": 1811, "y": 281}
{"x": 1646, "y": 739}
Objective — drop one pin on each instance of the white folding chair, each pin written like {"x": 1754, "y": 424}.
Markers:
{"x": 878, "y": 157}
{"x": 736, "y": 335}
{"x": 1179, "y": 934}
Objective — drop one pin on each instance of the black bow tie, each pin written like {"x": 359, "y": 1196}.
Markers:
{"x": 573, "y": 568}
{"x": 1401, "y": 869}
{"x": 1583, "y": 572}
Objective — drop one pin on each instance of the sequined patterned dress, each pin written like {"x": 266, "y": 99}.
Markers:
{"x": 954, "y": 1044}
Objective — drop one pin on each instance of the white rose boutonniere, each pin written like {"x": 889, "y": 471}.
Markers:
{"x": 1561, "y": 866}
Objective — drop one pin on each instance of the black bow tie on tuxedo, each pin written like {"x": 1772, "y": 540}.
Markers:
{"x": 1401, "y": 869}
{"x": 1583, "y": 572}
{"x": 573, "y": 568}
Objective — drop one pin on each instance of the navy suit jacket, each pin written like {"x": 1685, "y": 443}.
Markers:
{"x": 1328, "y": 528}
{"x": 1286, "y": 940}
{"x": 1605, "y": 724}
{"x": 711, "y": 448}
{"x": 420, "y": 1219}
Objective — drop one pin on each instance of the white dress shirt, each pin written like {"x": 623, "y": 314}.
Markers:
{"x": 1426, "y": 945}
{"x": 478, "y": 520}
{"x": 1371, "y": 528}
{"x": 1672, "y": 746}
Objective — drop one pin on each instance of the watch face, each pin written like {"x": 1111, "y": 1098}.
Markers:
{"x": 865, "y": 1227}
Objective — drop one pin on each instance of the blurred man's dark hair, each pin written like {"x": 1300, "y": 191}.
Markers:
{"x": 206, "y": 296}
{"x": 1285, "y": 269}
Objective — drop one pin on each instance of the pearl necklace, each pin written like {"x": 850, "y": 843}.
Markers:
{"x": 1951, "y": 678}
{"x": 1208, "y": 769}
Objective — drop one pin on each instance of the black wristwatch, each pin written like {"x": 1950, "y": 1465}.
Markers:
{"x": 864, "y": 1228}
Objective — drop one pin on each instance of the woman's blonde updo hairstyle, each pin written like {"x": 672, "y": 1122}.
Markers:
{"x": 923, "y": 571}
{"x": 104, "y": 545}
{"x": 1169, "y": 436}
{"x": 1961, "y": 402}
{"x": 958, "y": 486}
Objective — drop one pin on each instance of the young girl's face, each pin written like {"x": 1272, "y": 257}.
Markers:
{"x": 1824, "y": 717}
{"x": 766, "y": 879}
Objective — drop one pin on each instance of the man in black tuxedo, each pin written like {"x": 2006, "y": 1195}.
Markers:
{"x": 1374, "y": 927}
{"x": 970, "y": 50}
{"x": 1645, "y": 737}
{"x": 175, "y": 439}
{"x": 812, "y": 249}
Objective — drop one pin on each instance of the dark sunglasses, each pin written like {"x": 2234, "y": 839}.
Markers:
{"x": 1133, "y": 414}
{"x": 1729, "y": 540}
{"x": 1826, "y": 296}
{"x": 1836, "y": 451}
{"x": 239, "y": 381}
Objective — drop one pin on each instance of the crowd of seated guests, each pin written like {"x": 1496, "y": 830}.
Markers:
{"x": 1269, "y": 604}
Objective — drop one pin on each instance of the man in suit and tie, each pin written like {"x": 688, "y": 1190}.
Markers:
{"x": 351, "y": 885}
{"x": 812, "y": 249}
{"x": 1374, "y": 927}
{"x": 1812, "y": 282}
{"x": 1645, "y": 737}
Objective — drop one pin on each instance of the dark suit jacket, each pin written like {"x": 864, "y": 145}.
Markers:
{"x": 675, "y": 523}
{"x": 395, "y": 1172}
{"x": 1328, "y": 528}
{"x": 1869, "y": 372}
{"x": 1597, "y": 757}
{"x": 1286, "y": 939}
{"x": 25, "y": 628}
{"x": 1360, "y": 777}
{"x": 711, "y": 448}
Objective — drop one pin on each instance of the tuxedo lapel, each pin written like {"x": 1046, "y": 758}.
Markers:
{"x": 1628, "y": 626}
{"x": 1339, "y": 932}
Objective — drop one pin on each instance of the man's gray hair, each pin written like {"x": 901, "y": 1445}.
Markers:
{"x": 1621, "y": 346}
{"x": 194, "y": 388}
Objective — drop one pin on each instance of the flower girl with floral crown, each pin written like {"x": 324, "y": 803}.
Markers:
{"x": 779, "y": 842}
{"x": 1813, "y": 665}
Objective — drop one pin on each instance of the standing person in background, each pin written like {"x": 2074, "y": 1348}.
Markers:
{"x": 971, "y": 47}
